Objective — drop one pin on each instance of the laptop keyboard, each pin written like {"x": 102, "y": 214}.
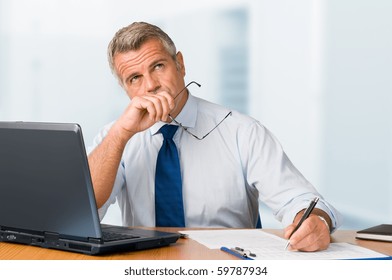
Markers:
{"x": 114, "y": 236}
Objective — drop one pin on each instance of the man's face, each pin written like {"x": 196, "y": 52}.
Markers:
{"x": 150, "y": 69}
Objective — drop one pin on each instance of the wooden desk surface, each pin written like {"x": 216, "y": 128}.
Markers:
{"x": 184, "y": 249}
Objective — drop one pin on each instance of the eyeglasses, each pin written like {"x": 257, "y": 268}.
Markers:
{"x": 185, "y": 128}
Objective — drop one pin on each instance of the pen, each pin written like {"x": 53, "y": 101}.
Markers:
{"x": 239, "y": 252}
{"x": 304, "y": 217}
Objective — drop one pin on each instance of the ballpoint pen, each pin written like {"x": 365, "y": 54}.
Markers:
{"x": 304, "y": 217}
{"x": 239, "y": 252}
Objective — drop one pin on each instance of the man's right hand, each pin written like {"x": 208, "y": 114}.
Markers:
{"x": 144, "y": 111}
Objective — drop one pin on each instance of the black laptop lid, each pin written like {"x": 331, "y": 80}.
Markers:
{"x": 45, "y": 184}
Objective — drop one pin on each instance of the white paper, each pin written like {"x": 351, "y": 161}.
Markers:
{"x": 267, "y": 246}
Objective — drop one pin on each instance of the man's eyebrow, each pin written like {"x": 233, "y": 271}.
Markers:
{"x": 133, "y": 74}
{"x": 157, "y": 61}
{"x": 151, "y": 65}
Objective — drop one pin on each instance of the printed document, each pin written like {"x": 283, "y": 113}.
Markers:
{"x": 267, "y": 246}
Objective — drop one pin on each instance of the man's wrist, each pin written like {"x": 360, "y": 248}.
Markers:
{"x": 325, "y": 222}
{"x": 325, "y": 217}
{"x": 119, "y": 135}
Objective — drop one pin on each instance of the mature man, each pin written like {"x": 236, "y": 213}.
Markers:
{"x": 214, "y": 164}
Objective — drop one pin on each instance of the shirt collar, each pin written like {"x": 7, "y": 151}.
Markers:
{"x": 187, "y": 116}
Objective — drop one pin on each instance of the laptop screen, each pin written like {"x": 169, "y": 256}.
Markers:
{"x": 45, "y": 184}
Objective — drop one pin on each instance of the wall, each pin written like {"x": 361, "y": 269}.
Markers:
{"x": 316, "y": 73}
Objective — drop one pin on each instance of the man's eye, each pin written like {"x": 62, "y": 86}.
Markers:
{"x": 134, "y": 79}
{"x": 158, "y": 66}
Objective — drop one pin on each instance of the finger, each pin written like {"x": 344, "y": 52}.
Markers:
{"x": 311, "y": 236}
{"x": 154, "y": 107}
{"x": 301, "y": 234}
{"x": 312, "y": 243}
{"x": 288, "y": 230}
{"x": 309, "y": 248}
{"x": 158, "y": 105}
{"x": 143, "y": 105}
{"x": 167, "y": 102}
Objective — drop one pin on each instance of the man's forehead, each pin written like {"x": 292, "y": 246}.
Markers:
{"x": 147, "y": 44}
{"x": 149, "y": 49}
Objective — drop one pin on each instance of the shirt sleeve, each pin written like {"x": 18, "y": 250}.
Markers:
{"x": 280, "y": 185}
{"x": 119, "y": 181}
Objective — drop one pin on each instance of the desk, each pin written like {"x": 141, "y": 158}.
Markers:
{"x": 184, "y": 249}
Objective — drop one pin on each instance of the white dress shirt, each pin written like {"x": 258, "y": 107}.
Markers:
{"x": 223, "y": 175}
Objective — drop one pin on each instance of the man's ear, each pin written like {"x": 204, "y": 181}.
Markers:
{"x": 180, "y": 63}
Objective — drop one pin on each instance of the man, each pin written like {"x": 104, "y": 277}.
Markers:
{"x": 227, "y": 161}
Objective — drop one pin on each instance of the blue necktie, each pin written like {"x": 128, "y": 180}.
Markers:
{"x": 169, "y": 209}
{"x": 258, "y": 225}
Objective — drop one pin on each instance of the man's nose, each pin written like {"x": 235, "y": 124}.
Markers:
{"x": 152, "y": 84}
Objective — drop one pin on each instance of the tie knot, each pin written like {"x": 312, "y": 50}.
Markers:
{"x": 168, "y": 131}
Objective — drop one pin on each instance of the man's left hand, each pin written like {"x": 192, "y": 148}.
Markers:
{"x": 312, "y": 235}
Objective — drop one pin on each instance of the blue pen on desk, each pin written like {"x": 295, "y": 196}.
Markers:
{"x": 239, "y": 252}
{"x": 304, "y": 217}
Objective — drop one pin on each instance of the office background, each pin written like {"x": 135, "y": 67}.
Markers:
{"x": 317, "y": 73}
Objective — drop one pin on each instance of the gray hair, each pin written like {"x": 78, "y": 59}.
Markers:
{"x": 133, "y": 36}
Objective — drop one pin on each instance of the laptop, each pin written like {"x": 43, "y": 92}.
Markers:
{"x": 47, "y": 198}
